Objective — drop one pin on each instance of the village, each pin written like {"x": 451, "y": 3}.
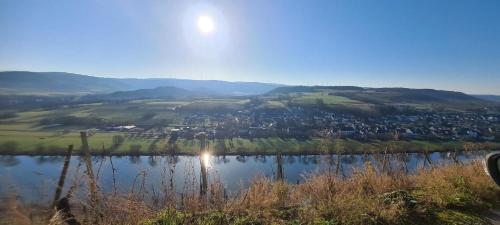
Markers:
{"x": 299, "y": 123}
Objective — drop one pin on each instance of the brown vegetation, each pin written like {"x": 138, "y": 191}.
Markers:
{"x": 451, "y": 194}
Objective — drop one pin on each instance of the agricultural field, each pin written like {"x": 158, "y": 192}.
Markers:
{"x": 50, "y": 130}
{"x": 56, "y": 142}
{"x": 328, "y": 99}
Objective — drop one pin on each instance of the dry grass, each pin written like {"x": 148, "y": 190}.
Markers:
{"x": 366, "y": 197}
{"x": 439, "y": 195}
{"x": 57, "y": 219}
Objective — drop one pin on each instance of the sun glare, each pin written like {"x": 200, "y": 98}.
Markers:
{"x": 206, "y": 24}
{"x": 205, "y": 159}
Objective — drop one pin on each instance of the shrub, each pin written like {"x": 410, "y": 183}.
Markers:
{"x": 135, "y": 149}
{"x": 9, "y": 146}
{"x": 148, "y": 115}
{"x": 7, "y": 115}
{"x": 118, "y": 140}
{"x": 39, "y": 149}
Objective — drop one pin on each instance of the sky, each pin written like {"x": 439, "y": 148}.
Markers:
{"x": 444, "y": 44}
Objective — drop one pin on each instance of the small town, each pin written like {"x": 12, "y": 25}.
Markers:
{"x": 304, "y": 124}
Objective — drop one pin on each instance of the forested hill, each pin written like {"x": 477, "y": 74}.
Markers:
{"x": 381, "y": 95}
{"x": 23, "y": 82}
{"x": 155, "y": 93}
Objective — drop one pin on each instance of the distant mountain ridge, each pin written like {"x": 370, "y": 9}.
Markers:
{"x": 493, "y": 98}
{"x": 20, "y": 82}
{"x": 93, "y": 88}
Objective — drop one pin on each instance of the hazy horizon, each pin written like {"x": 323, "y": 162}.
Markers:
{"x": 445, "y": 45}
{"x": 172, "y": 77}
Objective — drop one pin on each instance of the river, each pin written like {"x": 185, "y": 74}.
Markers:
{"x": 33, "y": 179}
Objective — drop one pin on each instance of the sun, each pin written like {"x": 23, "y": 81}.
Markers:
{"x": 206, "y": 24}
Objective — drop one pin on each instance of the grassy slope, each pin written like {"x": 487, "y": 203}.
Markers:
{"x": 311, "y": 98}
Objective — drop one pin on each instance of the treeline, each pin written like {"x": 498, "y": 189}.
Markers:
{"x": 7, "y": 115}
{"x": 75, "y": 121}
{"x": 32, "y": 101}
{"x": 26, "y": 102}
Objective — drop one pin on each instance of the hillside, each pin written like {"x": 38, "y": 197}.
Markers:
{"x": 298, "y": 89}
{"x": 382, "y": 95}
{"x": 22, "y": 82}
{"x": 159, "y": 92}
{"x": 493, "y": 98}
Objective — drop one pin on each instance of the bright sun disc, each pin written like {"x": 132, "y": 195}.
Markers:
{"x": 206, "y": 24}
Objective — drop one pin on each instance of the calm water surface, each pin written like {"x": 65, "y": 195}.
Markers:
{"x": 34, "y": 178}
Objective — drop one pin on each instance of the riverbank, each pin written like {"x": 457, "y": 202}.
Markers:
{"x": 455, "y": 194}
{"x": 42, "y": 143}
{"x": 452, "y": 194}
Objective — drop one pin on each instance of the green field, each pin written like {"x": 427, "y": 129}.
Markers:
{"x": 27, "y": 134}
{"x": 54, "y": 142}
{"x": 312, "y": 98}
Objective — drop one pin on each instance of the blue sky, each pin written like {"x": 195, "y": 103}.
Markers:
{"x": 443, "y": 44}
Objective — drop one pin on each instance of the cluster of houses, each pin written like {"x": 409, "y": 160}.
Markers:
{"x": 303, "y": 124}
{"x": 298, "y": 123}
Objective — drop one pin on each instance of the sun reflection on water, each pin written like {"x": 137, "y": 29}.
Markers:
{"x": 205, "y": 159}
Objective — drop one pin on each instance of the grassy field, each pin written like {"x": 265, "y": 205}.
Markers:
{"x": 25, "y": 134}
{"x": 210, "y": 105}
{"x": 53, "y": 143}
{"x": 311, "y": 98}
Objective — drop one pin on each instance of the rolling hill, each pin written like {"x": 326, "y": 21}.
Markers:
{"x": 493, "y": 98}
{"x": 90, "y": 88}
{"x": 383, "y": 95}
{"x": 23, "y": 82}
{"x": 159, "y": 92}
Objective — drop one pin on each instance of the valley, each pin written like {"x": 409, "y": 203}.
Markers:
{"x": 286, "y": 120}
